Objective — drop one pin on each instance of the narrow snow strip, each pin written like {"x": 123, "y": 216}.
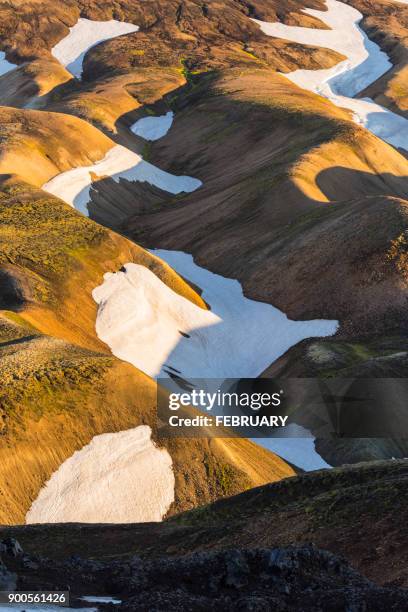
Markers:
{"x": 98, "y": 599}
{"x": 5, "y": 66}
{"x": 117, "y": 478}
{"x": 365, "y": 63}
{"x": 146, "y": 323}
{"x": 85, "y": 34}
{"x": 74, "y": 186}
{"x": 153, "y": 128}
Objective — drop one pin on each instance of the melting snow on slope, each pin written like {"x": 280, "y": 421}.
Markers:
{"x": 85, "y": 34}
{"x": 74, "y": 186}
{"x": 365, "y": 63}
{"x": 5, "y": 66}
{"x": 148, "y": 324}
{"x": 297, "y": 447}
{"x": 117, "y": 478}
{"x": 153, "y": 128}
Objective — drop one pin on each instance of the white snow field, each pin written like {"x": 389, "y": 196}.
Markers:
{"x": 74, "y": 186}
{"x": 84, "y": 35}
{"x": 5, "y": 66}
{"x": 117, "y": 478}
{"x": 365, "y": 63}
{"x": 146, "y": 323}
{"x": 153, "y": 128}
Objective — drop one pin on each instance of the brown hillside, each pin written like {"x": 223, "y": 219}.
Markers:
{"x": 302, "y": 165}
{"x": 61, "y": 386}
{"x": 174, "y": 39}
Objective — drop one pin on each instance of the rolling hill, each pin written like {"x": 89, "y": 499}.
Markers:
{"x": 279, "y": 191}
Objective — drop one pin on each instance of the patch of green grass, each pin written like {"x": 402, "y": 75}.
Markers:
{"x": 42, "y": 235}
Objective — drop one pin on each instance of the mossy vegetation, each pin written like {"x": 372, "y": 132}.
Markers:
{"x": 60, "y": 384}
{"x": 225, "y": 477}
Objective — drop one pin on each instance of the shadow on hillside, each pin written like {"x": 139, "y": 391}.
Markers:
{"x": 339, "y": 183}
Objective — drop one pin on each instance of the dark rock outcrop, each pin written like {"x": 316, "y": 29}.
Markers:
{"x": 281, "y": 579}
{"x": 8, "y": 580}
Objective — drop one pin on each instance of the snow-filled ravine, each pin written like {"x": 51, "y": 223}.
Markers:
{"x": 117, "y": 478}
{"x": 74, "y": 186}
{"x": 365, "y": 63}
{"x": 84, "y": 35}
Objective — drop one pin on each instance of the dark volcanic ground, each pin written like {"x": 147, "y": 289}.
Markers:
{"x": 261, "y": 550}
{"x": 291, "y": 578}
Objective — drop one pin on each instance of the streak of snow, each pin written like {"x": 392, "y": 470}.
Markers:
{"x": 74, "y": 186}
{"x": 100, "y": 599}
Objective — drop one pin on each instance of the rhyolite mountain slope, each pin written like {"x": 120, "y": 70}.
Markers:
{"x": 315, "y": 155}
{"x": 169, "y": 33}
{"x": 307, "y": 210}
{"x": 60, "y": 384}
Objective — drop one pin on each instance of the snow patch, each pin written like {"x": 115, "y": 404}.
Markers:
{"x": 100, "y": 599}
{"x": 117, "y": 478}
{"x": 297, "y": 447}
{"x": 74, "y": 186}
{"x": 146, "y": 323}
{"x": 365, "y": 63}
{"x": 5, "y": 66}
{"x": 153, "y": 128}
{"x": 85, "y": 34}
